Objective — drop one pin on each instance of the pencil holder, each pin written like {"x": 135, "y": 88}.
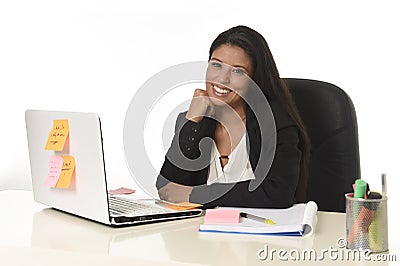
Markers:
{"x": 366, "y": 223}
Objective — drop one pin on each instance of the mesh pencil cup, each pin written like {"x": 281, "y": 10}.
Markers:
{"x": 366, "y": 223}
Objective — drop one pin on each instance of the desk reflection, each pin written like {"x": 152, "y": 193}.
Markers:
{"x": 53, "y": 229}
{"x": 177, "y": 241}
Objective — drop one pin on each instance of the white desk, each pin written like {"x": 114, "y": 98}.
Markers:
{"x": 31, "y": 234}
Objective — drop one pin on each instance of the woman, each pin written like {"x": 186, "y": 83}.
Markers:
{"x": 222, "y": 113}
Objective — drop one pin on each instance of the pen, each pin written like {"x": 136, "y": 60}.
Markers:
{"x": 383, "y": 185}
{"x": 256, "y": 218}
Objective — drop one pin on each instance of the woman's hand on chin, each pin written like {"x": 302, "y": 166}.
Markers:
{"x": 200, "y": 106}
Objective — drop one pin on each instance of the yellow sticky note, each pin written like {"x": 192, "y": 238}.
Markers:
{"x": 58, "y": 135}
{"x": 67, "y": 171}
{"x": 182, "y": 206}
{"x": 54, "y": 170}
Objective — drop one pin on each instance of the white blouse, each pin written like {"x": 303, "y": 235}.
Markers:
{"x": 237, "y": 169}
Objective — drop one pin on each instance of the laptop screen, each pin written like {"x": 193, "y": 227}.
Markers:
{"x": 73, "y": 142}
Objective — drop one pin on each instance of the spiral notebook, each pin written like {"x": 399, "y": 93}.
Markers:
{"x": 298, "y": 220}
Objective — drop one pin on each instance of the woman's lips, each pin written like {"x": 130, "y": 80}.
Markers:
{"x": 221, "y": 92}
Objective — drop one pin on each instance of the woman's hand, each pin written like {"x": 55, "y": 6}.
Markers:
{"x": 199, "y": 106}
{"x": 173, "y": 192}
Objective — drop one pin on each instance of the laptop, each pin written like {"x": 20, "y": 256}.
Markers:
{"x": 86, "y": 193}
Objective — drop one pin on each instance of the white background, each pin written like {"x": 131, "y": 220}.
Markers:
{"x": 91, "y": 56}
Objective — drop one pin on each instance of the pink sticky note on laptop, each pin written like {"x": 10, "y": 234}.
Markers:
{"x": 121, "y": 190}
{"x": 221, "y": 216}
{"x": 55, "y": 168}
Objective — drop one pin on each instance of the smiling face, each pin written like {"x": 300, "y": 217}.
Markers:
{"x": 228, "y": 75}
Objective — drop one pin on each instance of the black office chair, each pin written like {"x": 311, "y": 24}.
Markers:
{"x": 331, "y": 122}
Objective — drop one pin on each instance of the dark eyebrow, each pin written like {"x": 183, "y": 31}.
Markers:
{"x": 237, "y": 66}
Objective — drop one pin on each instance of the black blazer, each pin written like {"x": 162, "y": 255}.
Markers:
{"x": 276, "y": 190}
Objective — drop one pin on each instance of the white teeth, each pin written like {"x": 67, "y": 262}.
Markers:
{"x": 220, "y": 90}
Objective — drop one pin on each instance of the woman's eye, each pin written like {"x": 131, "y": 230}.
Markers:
{"x": 216, "y": 64}
{"x": 237, "y": 71}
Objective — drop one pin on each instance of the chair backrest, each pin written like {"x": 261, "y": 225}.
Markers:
{"x": 331, "y": 122}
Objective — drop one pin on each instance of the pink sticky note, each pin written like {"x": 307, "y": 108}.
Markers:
{"x": 121, "y": 190}
{"x": 221, "y": 216}
{"x": 55, "y": 167}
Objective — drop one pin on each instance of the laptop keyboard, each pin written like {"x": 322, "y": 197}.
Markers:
{"x": 129, "y": 207}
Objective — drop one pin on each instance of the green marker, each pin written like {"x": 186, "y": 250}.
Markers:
{"x": 361, "y": 189}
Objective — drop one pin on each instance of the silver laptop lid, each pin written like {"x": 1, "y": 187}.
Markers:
{"x": 87, "y": 187}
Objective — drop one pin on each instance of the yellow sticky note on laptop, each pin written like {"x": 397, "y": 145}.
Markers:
{"x": 67, "y": 172}
{"x": 58, "y": 135}
{"x": 182, "y": 206}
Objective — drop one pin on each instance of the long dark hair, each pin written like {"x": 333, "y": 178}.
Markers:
{"x": 266, "y": 76}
